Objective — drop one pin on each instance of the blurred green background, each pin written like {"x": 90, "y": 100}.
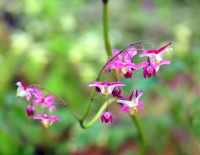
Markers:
{"x": 59, "y": 45}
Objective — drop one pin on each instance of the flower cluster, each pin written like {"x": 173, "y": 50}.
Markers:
{"x": 122, "y": 63}
{"x": 36, "y": 97}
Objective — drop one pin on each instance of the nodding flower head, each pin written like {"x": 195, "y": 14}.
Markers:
{"x": 125, "y": 68}
{"x": 30, "y": 110}
{"x": 132, "y": 110}
{"x": 106, "y": 87}
{"x": 45, "y": 101}
{"x": 23, "y": 90}
{"x": 149, "y": 70}
{"x": 156, "y": 55}
{"x": 107, "y": 117}
{"x": 132, "y": 101}
{"x": 47, "y": 120}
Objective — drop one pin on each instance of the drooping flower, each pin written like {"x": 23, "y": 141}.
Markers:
{"x": 30, "y": 109}
{"x": 125, "y": 68}
{"x": 156, "y": 55}
{"x": 45, "y": 101}
{"x": 107, "y": 117}
{"x": 132, "y": 102}
{"x": 153, "y": 67}
{"x": 150, "y": 69}
{"x": 132, "y": 110}
{"x": 106, "y": 87}
{"x": 23, "y": 90}
{"x": 47, "y": 120}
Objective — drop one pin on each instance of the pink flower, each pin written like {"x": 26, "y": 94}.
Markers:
{"x": 45, "y": 101}
{"x": 23, "y": 90}
{"x": 106, "y": 87}
{"x": 132, "y": 110}
{"x": 156, "y": 55}
{"x": 149, "y": 70}
{"x": 131, "y": 102}
{"x": 125, "y": 68}
{"x": 107, "y": 117}
{"x": 162, "y": 62}
{"x": 126, "y": 56}
{"x": 47, "y": 120}
{"x": 30, "y": 110}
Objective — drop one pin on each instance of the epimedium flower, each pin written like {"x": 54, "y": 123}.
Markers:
{"x": 107, "y": 117}
{"x": 153, "y": 67}
{"x": 156, "y": 55}
{"x": 23, "y": 90}
{"x": 149, "y": 70}
{"x": 45, "y": 101}
{"x": 106, "y": 87}
{"x": 132, "y": 110}
{"x": 47, "y": 120}
{"x": 30, "y": 109}
{"x": 125, "y": 68}
{"x": 126, "y": 56}
{"x": 131, "y": 102}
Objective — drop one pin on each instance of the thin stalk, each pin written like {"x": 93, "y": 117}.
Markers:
{"x": 60, "y": 99}
{"x": 105, "y": 29}
{"x": 97, "y": 116}
{"x": 141, "y": 133}
{"x": 89, "y": 105}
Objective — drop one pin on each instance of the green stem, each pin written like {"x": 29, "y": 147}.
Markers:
{"x": 97, "y": 116}
{"x": 105, "y": 29}
{"x": 141, "y": 133}
{"x": 108, "y": 51}
{"x": 89, "y": 105}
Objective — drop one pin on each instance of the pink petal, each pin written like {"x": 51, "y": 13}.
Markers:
{"x": 37, "y": 100}
{"x": 49, "y": 99}
{"x": 124, "y": 108}
{"x": 54, "y": 118}
{"x": 141, "y": 65}
{"x": 164, "y": 62}
{"x": 23, "y": 84}
{"x": 40, "y": 116}
{"x": 162, "y": 48}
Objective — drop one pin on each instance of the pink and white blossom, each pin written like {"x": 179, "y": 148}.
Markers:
{"x": 132, "y": 110}
{"x": 125, "y": 68}
{"x": 45, "y": 101}
{"x": 156, "y": 55}
{"x": 23, "y": 90}
{"x": 106, "y": 87}
{"x": 132, "y": 101}
{"x": 47, "y": 120}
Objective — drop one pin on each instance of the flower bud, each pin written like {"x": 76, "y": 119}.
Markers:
{"x": 106, "y": 117}
{"x": 98, "y": 89}
{"x": 116, "y": 92}
{"x": 30, "y": 110}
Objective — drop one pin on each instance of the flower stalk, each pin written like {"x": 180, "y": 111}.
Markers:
{"x": 141, "y": 133}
